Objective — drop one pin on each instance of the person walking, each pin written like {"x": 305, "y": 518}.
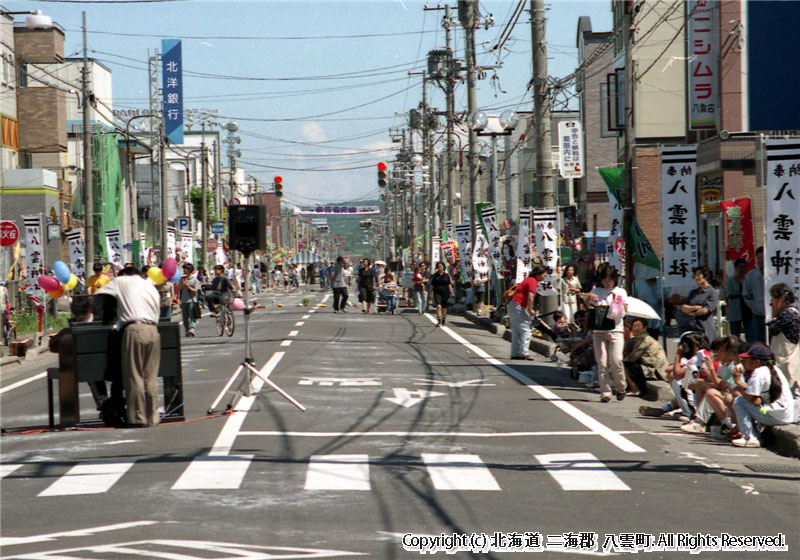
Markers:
{"x": 389, "y": 292}
{"x": 188, "y": 286}
{"x": 137, "y": 318}
{"x": 442, "y": 288}
{"x": 570, "y": 288}
{"x": 784, "y": 332}
{"x": 753, "y": 295}
{"x": 520, "y": 312}
{"x": 420, "y": 293}
{"x": 339, "y": 285}
{"x": 166, "y": 295}
{"x": 366, "y": 286}
{"x": 737, "y": 313}
{"x": 607, "y": 299}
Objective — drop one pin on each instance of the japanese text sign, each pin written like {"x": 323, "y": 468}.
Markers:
{"x": 702, "y": 67}
{"x": 570, "y": 149}
{"x": 523, "y": 245}
{"x": 488, "y": 214}
{"x": 34, "y": 249}
{"x": 679, "y": 215}
{"x": 739, "y": 240}
{"x": 463, "y": 238}
{"x": 172, "y": 88}
{"x": 77, "y": 253}
{"x": 114, "y": 247}
{"x": 545, "y": 226}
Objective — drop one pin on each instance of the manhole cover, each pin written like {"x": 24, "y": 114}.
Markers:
{"x": 774, "y": 468}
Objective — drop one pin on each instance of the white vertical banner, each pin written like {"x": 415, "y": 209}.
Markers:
{"x": 488, "y": 216}
{"x": 114, "y": 247}
{"x": 34, "y": 250}
{"x": 187, "y": 246}
{"x": 523, "y": 245}
{"x": 463, "y": 237}
{"x": 451, "y": 233}
{"x": 219, "y": 255}
{"x": 782, "y": 240}
{"x": 480, "y": 258}
{"x": 545, "y": 226}
{"x": 615, "y": 228}
{"x": 570, "y": 149}
{"x": 679, "y": 216}
{"x": 77, "y": 253}
{"x": 172, "y": 249}
{"x": 702, "y": 64}
{"x": 436, "y": 256}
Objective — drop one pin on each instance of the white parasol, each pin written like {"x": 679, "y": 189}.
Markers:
{"x": 639, "y": 308}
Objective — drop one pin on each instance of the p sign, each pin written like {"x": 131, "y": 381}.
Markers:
{"x": 9, "y": 234}
{"x": 184, "y": 223}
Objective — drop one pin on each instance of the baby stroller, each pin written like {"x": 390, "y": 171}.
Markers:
{"x": 381, "y": 306}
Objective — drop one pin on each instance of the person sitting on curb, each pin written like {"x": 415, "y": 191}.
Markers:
{"x": 646, "y": 359}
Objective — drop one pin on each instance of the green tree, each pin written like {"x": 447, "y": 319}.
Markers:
{"x": 196, "y": 198}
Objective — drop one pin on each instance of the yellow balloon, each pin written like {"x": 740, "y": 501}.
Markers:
{"x": 155, "y": 274}
{"x": 73, "y": 281}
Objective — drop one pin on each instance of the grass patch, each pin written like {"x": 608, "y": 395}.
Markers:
{"x": 28, "y": 323}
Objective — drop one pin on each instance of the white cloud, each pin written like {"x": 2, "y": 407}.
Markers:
{"x": 313, "y": 132}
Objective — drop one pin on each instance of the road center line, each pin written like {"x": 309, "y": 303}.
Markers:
{"x": 23, "y": 382}
{"x": 417, "y": 434}
{"x": 615, "y": 438}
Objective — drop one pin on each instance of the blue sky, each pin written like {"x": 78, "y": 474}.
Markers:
{"x": 307, "y": 93}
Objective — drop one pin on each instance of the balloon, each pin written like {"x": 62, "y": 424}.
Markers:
{"x": 73, "y": 281}
{"x": 55, "y": 294}
{"x": 61, "y": 271}
{"x": 169, "y": 267}
{"x": 156, "y": 275}
{"x": 237, "y": 304}
{"x": 48, "y": 283}
{"x": 177, "y": 276}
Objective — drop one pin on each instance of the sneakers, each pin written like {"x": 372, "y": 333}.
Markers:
{"x": 693, "y": 427}
{"x": 651, "y": 411}
{"x": 620, "y": 395}
{"x": 605, "y": 397}
{"x": 746, "y": 442}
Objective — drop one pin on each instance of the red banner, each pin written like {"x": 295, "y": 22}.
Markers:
{"x": 739, "y": 239}
{"x": 449, "y": 250}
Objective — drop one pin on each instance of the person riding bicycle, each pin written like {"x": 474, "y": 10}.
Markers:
{"x": 221, "y": 290}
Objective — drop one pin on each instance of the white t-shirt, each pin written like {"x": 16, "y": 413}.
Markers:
{"x": 605, "y": 298}
{"x": 759, "y": 382}
{"x": 137, "y": 299}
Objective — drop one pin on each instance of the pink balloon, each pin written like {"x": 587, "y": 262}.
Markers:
{"x": 169, "y": 267}
{"x": 237, "y": 304}
{"x": 48, "y": 283}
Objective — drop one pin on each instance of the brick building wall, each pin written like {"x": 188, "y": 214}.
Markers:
{"x": 39, "y": 45}
{"x": 646, "y": 196}
{"x": 42, "y": 118}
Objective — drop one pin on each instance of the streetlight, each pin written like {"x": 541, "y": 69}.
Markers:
{"x": 479, "y": 121}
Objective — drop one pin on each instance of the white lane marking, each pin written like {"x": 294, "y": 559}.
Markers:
{"x": 459, "y": 471}
{"x": 234, "y": 422}
{"x": 91, "y": 477}
{"x": 405, "y": 398}
{"x": 286, "y": 343}
{"x": 338, "y": 472}
{"x": 214, "y": 473}
{"x": 24, "y": 382}
{"x": 11, "y": 541}
{"x": 415, "y": 434}
{"x": 293, "y": 333}
{"x": 306, "y": 316}
{"x": 613, "y": 437}
{"x": 299, "y": 323}
{"x": 7, "y": 468}
{"x": 580, "y": 472}
{"x": 325, "y": 298}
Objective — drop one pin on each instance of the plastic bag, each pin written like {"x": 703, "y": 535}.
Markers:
{"x": 617, "y": 308}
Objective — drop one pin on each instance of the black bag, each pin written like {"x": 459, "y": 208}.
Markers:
{"x": 598, "y": 318}
{"x": 197, "y": 311}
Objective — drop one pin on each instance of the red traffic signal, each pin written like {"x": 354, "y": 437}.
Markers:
{"x": 382, "y": 175}
{"x": 278, "y": 186}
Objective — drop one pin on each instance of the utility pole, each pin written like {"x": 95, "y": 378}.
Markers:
{"x": 541, "y": 107}
{"x": 88, "y": 163}
{"x": 162, "y": 141}
{"x": 204, "y": 202}
{"x": 466, "y": 14}
{"x": 627, "y": 207}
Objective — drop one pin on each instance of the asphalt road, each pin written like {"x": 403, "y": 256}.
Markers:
{"x": 409, "y": 431}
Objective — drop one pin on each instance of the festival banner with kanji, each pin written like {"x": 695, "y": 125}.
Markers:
{"x": 480, "y": 258}
{"x": 488, "y": 214}
{"x": 463, "y": 237}
{"x": 114, "y": 247}
{"x": 523, "y": 245}
{"x": 449, "y": 250}
{"x": 679, "y": 216}
{"x": 172, "y": 249}
{"x": 739, "y": 238}
{"x": 436, "y": 242}
{"x": 187, "y": 246}
{"x": 545, "y": 226}
{"x": 782, "y": 240}
{"x": 34, "y": 249}
{"x": 451, "y": 234}
{"x": 77, "y": 253}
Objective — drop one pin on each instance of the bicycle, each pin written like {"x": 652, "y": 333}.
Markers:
{"x": 226, "y": 324}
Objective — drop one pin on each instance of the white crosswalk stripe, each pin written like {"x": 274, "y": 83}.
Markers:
{"x": 224, "y": 472}
{"x": 92, "y": 477}
{"x": 338, "y": 472}
{"x": 459, "y": 471}
{"x": 8, "y": 468}
{"x": 580, "y": 472}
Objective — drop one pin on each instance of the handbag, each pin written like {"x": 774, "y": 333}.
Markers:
{"x": 508, "y": 295}
{"x": 196, "y": 311}
{"x": 598, "y": 318}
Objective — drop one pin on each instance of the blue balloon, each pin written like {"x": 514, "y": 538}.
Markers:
{"x": 178, "y": 276}
{"x": 62, "y": 272}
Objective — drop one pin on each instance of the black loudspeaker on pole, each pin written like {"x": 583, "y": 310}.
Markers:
{"x": 247, "y": 225}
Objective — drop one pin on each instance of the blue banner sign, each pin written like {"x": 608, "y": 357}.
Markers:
{"x": 172, "y": 90}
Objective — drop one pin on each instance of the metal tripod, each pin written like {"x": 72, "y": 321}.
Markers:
{"x": 247, "y": 364}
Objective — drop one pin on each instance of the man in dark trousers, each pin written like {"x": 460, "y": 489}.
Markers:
{"x": 137, "y": 318}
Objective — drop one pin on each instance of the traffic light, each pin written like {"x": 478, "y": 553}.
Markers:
{"x": 366, "y": 224}
{"x": 278, "y": 186}
{"x": 382, "y": 175}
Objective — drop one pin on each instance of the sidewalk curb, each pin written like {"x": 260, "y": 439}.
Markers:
{"x": 784, "y": 440}
{"x": 542, "y": 347}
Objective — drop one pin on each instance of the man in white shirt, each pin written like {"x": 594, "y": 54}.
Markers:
{"x": 137, "y": 318}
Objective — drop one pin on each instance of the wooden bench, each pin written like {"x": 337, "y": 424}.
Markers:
{"x": 83, "y": 357}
